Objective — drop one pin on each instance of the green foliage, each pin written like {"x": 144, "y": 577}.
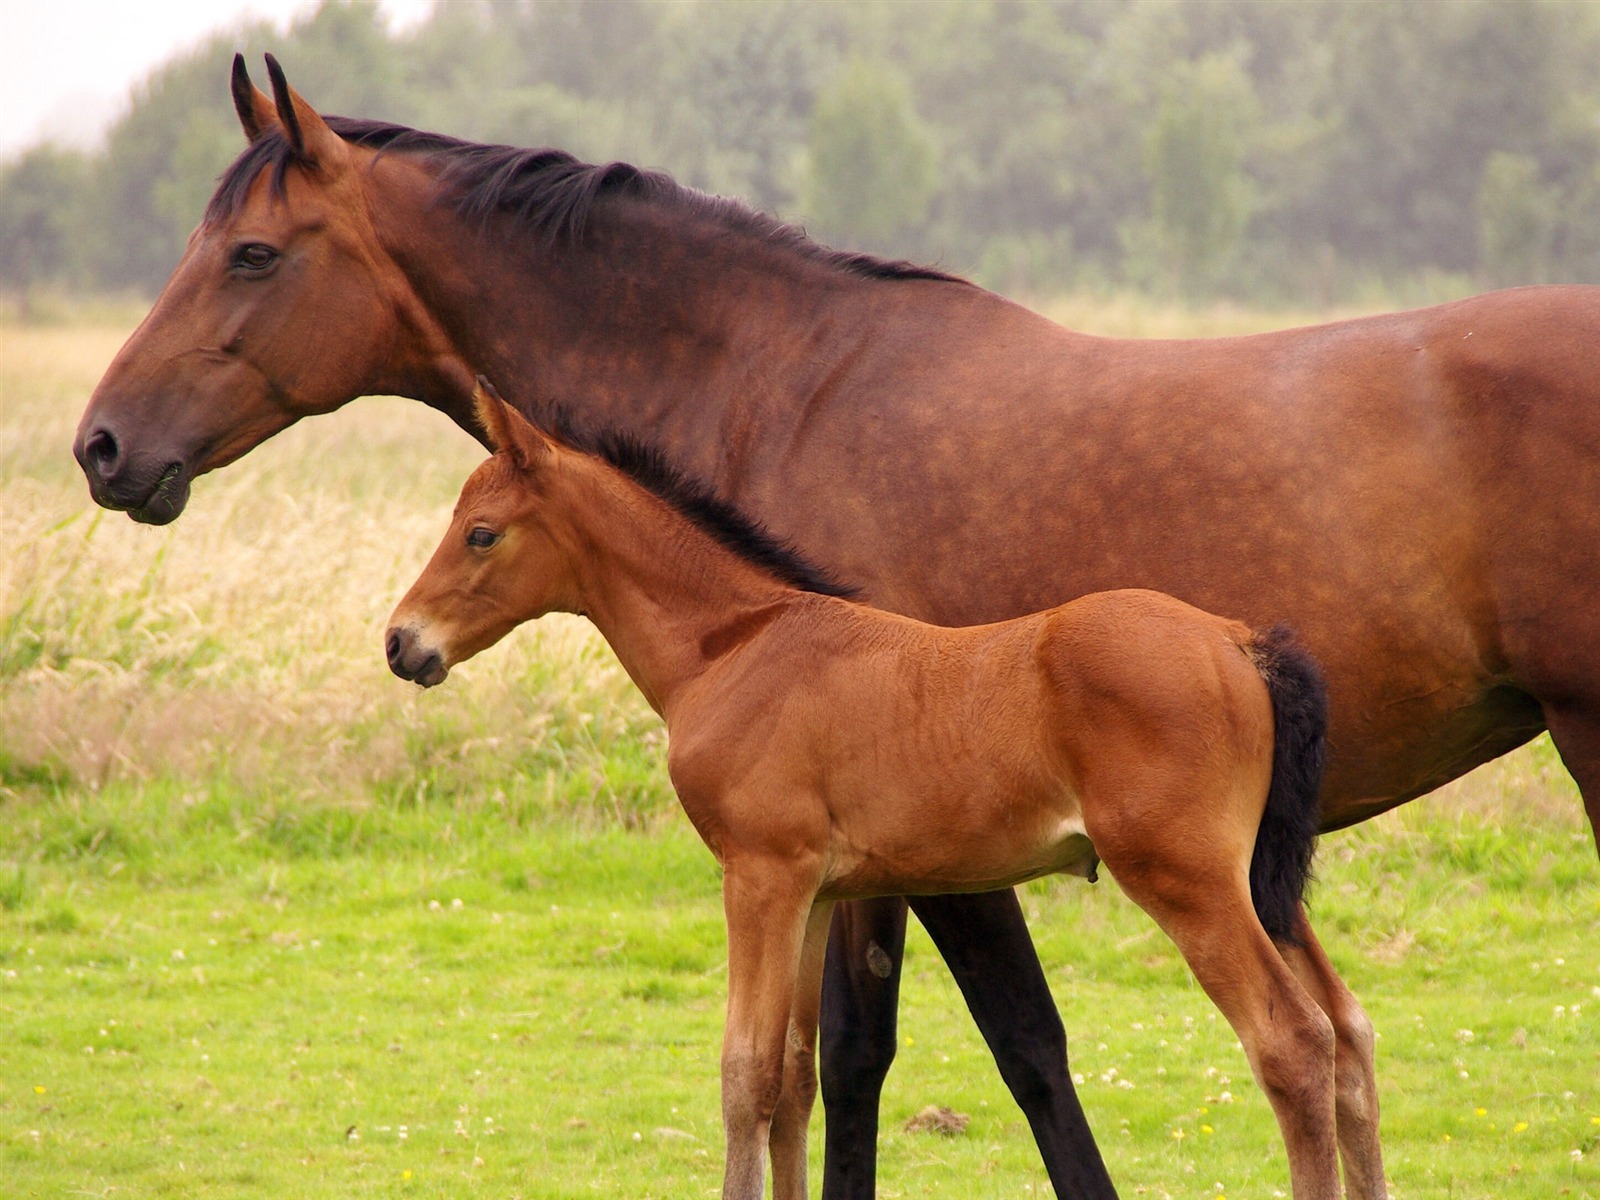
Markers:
{"x": 871, "y": 161}
{"x": 41, "y": 203}
{"x": 1516, "y": 220}
{"x": 1219, "y": 146}
{"x": 735, "y": 94}
{"x": 1200, "y": 197}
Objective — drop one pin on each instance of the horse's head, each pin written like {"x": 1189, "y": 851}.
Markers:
{"x": 499, "y": 565}
{"x": 284, "y": 304}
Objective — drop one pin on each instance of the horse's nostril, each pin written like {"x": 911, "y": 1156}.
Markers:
{"x": 102, "y": 452}
{"x": 392, "y": 647}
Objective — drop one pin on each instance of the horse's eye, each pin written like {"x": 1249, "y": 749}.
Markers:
{"x": 254, "y": 258}
{"x": 482, "y": 538}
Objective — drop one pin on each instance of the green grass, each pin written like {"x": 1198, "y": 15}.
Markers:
{"x": 217, "y": 995}
{"x": 232, "y": 962}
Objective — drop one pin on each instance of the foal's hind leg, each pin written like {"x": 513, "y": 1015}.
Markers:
{"x": 1355, "y": 1079}
{"x": 1201, "y": 898}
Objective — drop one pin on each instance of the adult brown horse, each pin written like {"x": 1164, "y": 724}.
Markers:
{"x": 1415, "y": 493}
{"x": 824, "y": 750}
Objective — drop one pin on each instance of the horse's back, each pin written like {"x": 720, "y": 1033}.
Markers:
{"x": 1386, "y": 485}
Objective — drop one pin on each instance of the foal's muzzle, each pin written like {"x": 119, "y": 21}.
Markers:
{"x": 409, "y": 659}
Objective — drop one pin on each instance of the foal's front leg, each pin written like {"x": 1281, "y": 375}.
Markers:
{"x": 787, "y": 1139}
{"x": 767, "y": 904}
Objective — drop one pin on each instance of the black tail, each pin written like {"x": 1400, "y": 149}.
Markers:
{"x": 1280, "y": 868}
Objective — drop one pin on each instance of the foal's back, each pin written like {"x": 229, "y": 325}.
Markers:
{"x": 914, "y": 758}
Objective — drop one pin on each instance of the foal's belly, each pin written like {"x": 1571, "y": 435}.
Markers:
{"x": 930, "y": 856}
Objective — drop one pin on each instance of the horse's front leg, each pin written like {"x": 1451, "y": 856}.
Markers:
{"x": 984, "y": 941}
{"x": 860, "y": 999}
{"x": 767, "y": 904}
{"x": 788, "y": 1137}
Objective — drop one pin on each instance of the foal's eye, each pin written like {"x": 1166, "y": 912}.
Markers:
{"x": 254, "y": 258}
{"x": 482, "y": 538}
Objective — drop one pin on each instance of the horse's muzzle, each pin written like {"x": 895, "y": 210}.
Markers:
{"x": 409, "y": 659}
{"x": 147, "y": 489}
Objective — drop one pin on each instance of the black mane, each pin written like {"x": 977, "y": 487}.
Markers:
{"x": 549, "y": 191}
{"x": 647, "y": 466}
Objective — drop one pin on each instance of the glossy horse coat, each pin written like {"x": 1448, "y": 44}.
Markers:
{"x": 1415, "y": 493}
{"x": 826, "y": 750}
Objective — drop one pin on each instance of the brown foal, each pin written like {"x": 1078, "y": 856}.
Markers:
{"x": 826, "y": 750}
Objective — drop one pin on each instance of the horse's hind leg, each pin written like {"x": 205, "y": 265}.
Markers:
{"x": 984, "y": 941}
{"x": 1355, "y": 1081}
{"x": 1575, "y": 729}
{"x": 860, "y": 998}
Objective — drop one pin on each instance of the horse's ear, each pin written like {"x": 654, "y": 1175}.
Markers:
{"x": 255, "y": 111}
{"x": 509, "y": 431}
{"x": 309, "y": 137}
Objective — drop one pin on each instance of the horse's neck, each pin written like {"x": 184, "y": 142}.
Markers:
{"x": 659, "y": 589}
{"x": 694, "y": 336}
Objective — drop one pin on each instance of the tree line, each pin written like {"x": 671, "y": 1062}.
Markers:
{"x": 1276, "y": 152}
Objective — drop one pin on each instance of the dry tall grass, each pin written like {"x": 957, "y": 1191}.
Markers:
{"x": 242, "y": 645}
{"x": 244, "y": 642}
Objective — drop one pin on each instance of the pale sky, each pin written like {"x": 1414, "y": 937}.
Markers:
{"x": 68, "y": 67}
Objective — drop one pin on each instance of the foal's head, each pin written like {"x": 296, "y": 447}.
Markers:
{"x": 499, "y": 565}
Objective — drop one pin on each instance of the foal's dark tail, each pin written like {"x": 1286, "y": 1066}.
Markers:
{"x": 1280, "y": 868}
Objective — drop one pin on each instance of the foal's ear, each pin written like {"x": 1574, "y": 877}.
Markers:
{"x": 509, "y": 431}
{"x": 309, "y": 137}
{"x": 255, "y": 110}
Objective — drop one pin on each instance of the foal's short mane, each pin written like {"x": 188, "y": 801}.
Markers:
{"x": 647, "y": 466}
{"x": 550, "y": 191}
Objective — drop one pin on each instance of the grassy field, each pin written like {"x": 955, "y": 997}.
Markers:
{"x": 274, "y": 924}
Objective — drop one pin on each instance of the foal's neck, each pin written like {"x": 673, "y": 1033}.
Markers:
{"x": 663, "y": 592}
